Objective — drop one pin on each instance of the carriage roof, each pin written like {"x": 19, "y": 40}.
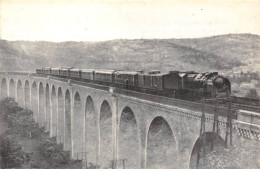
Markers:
{"x": 75, "y": 70}
{"x": 105, "y": 71}
{"x": 126, "y": 73}
{"x": 87, "y": 70}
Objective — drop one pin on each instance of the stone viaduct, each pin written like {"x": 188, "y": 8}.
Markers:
{"x": 99, "y": 123}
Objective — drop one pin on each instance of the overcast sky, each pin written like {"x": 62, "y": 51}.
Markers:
{"x": 78, "y": 20}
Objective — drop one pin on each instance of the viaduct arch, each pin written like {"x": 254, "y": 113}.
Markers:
{"x": 12, "y": 88}
{"x": 54, "y": 112}
{"x": 129, "y": 139}
{"x": 3, "y": 88}
{"x": 27, "y": 94}
{"x": 102, "y": 127}
{"x": 105, "y": 134}
{"x": 20, "y": 93}
{"x": 161, "y": 145}
{"x": 91, "y": 131}
{"x": 67, "y": 129}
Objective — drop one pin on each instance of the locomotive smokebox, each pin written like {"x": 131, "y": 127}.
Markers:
{"x": 219, "y": 82}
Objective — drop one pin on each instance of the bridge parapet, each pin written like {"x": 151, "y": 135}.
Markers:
{"x": 247, "y": 130}
{"x": 248, "y": 124}
{"x": 194, "y": 106}
{"x": 249, "y": 117}
{"x": 183, "y": 117}
{"x": 17, "y": 73}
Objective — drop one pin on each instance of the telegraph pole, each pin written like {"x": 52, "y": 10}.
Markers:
{"x": 229, "y": 124}
{"x": 215, "y": 124}
{"x": 202, "y": 130}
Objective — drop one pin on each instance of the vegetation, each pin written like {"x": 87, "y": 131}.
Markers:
{"x": 22, "y": 125}
{"x": 20, "y": 121}
{"x": 234, "y": 157}
{"x": 245, "y": 77}
{"x": 54, "y": 153}
{"x": 252, "y": 93}
{"x": 57, "y": 158}
{"x": 11, "y": 152}
{"x": 201, "y": 54}
{"x": 8, "y": 106}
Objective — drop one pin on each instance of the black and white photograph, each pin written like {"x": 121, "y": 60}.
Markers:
{"x": 129, "y": 84}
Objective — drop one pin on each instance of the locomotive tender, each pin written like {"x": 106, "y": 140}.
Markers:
{"x": 184, "y": 85}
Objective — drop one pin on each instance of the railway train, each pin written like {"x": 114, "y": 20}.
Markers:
{"x": 184, "y": 85}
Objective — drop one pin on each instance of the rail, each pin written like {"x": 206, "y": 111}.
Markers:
{"x": 240, "y": 102}
{"x": 247, "y": 107}
{"x": 23, "y": 74}
{"x": 246, "y": 101}
{"x": 88, "y": 84}
{"x": 15, "y": 73}
{"x": 175, "y": 102}
{"x": 154, "y": 98}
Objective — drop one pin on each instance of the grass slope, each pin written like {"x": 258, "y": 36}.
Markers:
{"x": 201, "y": 54}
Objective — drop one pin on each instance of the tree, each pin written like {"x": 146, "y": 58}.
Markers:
{"x": 252, "y": 93}
{"x": 11, "y": 152}
{"x": 8, "y": 106}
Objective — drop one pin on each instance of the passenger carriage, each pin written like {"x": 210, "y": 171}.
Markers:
{"x": 55, "y": 71}
{"x": 46, "y": 70}
{"x": 88, "y": 74}
{"x": 39, "y": 70}
{"x": 126, "y": 79}
{"x": 75, "y": 73}
{"x": 65, "y": 71}
{"x": 183, "y": 85}
{"x": 106, "y": 77}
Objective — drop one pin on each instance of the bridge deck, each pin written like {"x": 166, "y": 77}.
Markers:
{"x": 221, "y": 110}
{"x": 195, "y": 106}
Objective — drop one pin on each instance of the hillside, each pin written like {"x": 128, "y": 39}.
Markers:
{"x": 202, "y": 54}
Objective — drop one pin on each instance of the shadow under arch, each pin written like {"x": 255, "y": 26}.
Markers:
{"x": 106, "y": 145}
{"x": 129, "y": 140}
{"x": 161, "y": 145}
{"x": 54, "y": 118}
{"x": 41, "y": 105}
{"x": 91, "y": 133}
{"x": 34, "y": 101}
{"x": 196, "y": 158}
{"x": 3, "y": 88}
{"x": 27, "y": 94}
{"x": 12, "y": 88}
{"x": 20, "y": 95}
{"x": 67, "y": 138}
{"x": 47, "y": 106}
{"x": 78, "y": 128}
{"x": 61, "y": 117}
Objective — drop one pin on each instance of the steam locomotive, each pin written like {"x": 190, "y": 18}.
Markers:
{"x": 183, "y": 85}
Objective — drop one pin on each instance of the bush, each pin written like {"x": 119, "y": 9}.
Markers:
{"x": 8, "y": 106}
{"x": 237, "y": 156}
{"x": 20, "y": 120}
{"x": 56, "y": 157}
{"x": 54, "y": 153}
{"x": 11, "y": 152}
{"x": 252, "y": 93}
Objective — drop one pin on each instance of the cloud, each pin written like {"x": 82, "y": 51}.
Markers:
{"x": 63, "y": 20}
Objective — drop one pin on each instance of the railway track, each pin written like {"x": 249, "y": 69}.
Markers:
{"x": 238, "y": 105}
{"x": 247, "y": 107}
